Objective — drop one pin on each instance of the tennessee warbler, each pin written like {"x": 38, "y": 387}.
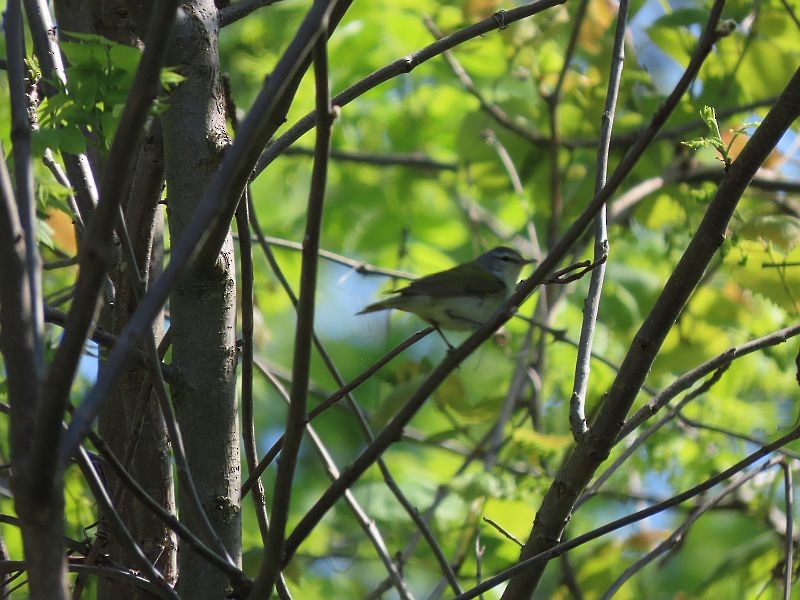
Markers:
{"x": 463, "y": 297}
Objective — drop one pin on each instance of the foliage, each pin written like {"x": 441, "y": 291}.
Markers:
{"x": 100, "y": 75}
{"x": 453, "y": 197}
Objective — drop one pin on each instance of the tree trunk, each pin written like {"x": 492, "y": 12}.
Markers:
{"x": 203, "y": 306}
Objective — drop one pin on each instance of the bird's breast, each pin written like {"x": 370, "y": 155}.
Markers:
{"x": 456, "y": 312}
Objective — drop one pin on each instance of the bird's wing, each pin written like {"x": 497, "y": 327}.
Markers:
{"x": 442, "y": 285}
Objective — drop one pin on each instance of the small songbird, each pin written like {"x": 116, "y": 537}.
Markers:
{"x": 463, "y": 297}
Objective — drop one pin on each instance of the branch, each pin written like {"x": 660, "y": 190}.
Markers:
{"x": 17, "y": 339}
{"x": 591, "y": 306}
{"x": 676, "y": 536}
{"x": 764, "y": 180}
{"x": 97, "y": 248}
{"x": 301, "y": 362}
{"x": 45, "y": 43}
{"x": 401, "y": 66}
{"x": 210, "y": 213}
{"x": 414, "y": 160}
{"x": 673, "y": 413}
{"x": 246, "y": 360}
{"x": 186, "y": 536}
{"x": 541, "y": 558}
{"x": 365, "y": 522}
{"x": 587, "y": 455}
{"x": 21, "y": 112}
{"x": 494, "y": 111}
{"x": 103, "y": 338}
{"x": 239, "y": 10}
{"x": 788, "y": 494}
{"x": 688, "y": 379}
{"x": 359, "y": 266}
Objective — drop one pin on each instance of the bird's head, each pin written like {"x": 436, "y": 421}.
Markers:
{"x": 505, "y": 263}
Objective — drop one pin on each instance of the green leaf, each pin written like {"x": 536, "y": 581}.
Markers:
{"x": 682, "y": 17}
{"x": 780, "y": 231}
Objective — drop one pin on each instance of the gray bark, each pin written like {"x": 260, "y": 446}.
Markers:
{"x": 203, "y": 306}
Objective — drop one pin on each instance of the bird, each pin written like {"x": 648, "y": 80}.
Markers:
{"x": 461, "y": 298}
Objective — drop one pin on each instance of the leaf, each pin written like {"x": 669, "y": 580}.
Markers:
{"x": 781, "y": 231}
{"x": 538, "y": 444}
{"x": 675, "y": 43}
{"x": 453, "y": 394}
{"x": 682, "y": 18}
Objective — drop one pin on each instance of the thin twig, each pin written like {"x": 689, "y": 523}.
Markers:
{"x": 203, "y": 235}
{"x": 414, "y": 160}
{"x": 788, "y": 537}
{"x": 673, "y": 413}
{"x": 358, "y": 266}
{"x": 559, "y": 549}
{"x": 103, "y": 338}
{"x": 591, "y": 306}
{"x": 246, "y": 360}
{"x": 272, "y": 562}
{"x": 118, "y": 526}
{"x": 522, "y": 363}
{"x": 50, "y": 162}
{"x": 502, "y": 531}
{"x": 763, "y": 180}
{"x": 116, "y": 574}
{"x": 21, "y": 127}
{"x": 490, "y": 108}
{"x": 239, "y": 10}
{"x": 185, "y": 534}
{"x": 680, "y": 532}
{"x": 688, "y": 379}
{"x": 365, "y": 522}
{"x": 736, "y": 435}
{"x": 400, "y": 66}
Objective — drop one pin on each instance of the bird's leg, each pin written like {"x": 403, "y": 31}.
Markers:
{"x": 450, "y": 346}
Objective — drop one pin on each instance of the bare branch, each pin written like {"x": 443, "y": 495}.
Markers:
{"x": 788, "y": 494}
{"x": 557, "y": 550}
{"x": 272, "y": 562}
{"x": 214, "y": 210}
{"x": 239, "y": 10}
{"x": 401, "y": 66}
{"x": 688, "y": 379}
{"x": 587, "y": 456}
{"x": 246, "y": 361}
{"x": 676, "y": 536}
{"x": 364, "y": 521}
{"x": 413, "y": 160}
{"x": 591, "y": 306}
{"x": 22, "y": 110}
{"x": 98, "y": 244}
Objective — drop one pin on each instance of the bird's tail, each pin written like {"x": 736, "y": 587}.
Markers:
{"x": 382, "y": 305}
